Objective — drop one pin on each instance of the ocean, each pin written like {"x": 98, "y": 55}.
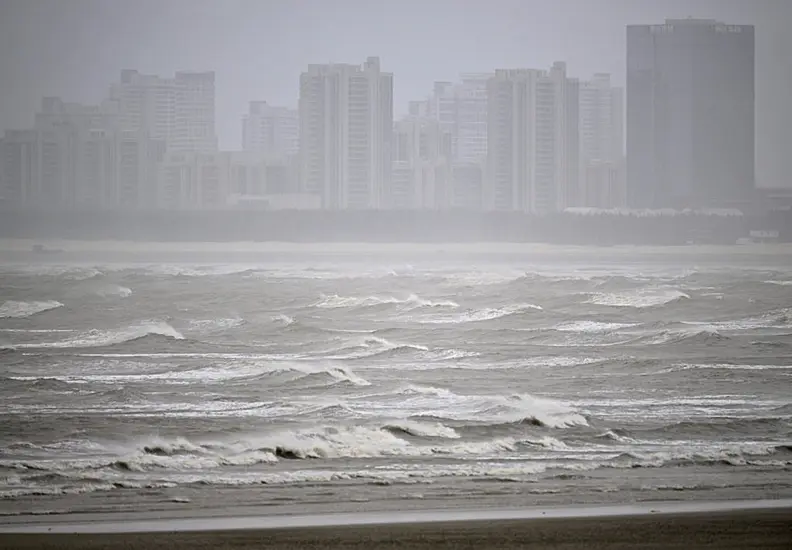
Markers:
{"x": 200, "y": 380}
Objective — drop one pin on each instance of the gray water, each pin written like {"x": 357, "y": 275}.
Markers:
{"x": 392, "y": 379}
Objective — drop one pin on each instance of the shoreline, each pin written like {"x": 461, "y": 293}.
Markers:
{"x": 67, "y": 246}
{"x": 153, "y": 523}
{"x": 766, "y": 528}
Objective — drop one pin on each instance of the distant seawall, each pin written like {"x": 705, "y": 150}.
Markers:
{"x": 371, "y": 226}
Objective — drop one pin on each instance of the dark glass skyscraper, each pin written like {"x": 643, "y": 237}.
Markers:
{"x": 690, "y": 114}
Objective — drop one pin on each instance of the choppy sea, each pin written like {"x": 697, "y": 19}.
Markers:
{"x": 392, "y": 378}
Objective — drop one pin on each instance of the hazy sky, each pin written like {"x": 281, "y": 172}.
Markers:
{"x": 76, "y": 48}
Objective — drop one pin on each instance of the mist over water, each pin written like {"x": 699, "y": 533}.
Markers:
{"x": 393, "y": 376}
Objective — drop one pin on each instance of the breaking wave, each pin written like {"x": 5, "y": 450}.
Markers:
{"x": 778, "y": 319}
{"x": 247, "y": 372}
{"x": 492, "y": 410}
{"x": 110, "y": 291}
{"x": 17, "y": 310}
{"x": 417, "y": 429}
{"x": 695, "y": 336}
{"x": 101, "y": 338}
{"x": 485, "y": 314}
{"x": 372, "y": 346}
{"x": 593, "y": 327}
{"x": 410, "y": 302}
{"x": 639, "y": 298}
{"x": 284, "y": 320}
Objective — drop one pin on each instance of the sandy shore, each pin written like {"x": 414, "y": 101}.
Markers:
{"x": 742, "y": 529}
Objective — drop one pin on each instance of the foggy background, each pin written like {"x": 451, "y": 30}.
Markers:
{"x": 75, "y": 49}
{"x": 273, "y": 363}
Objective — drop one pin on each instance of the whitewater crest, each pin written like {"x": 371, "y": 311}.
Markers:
{"x": 489, "y": 411}
{"x": 114, "y": 291}
{"x": 644, "y": 298}
{"x": 777, "y": 319}
{"x": 704, "y": 336}
{"x": 18, "y": 310}
{"x": 412, "y": 301}
{"x": 593, "y": 327}
{"x": 485, "y": 314}
{"x": 284, "y": 320}
{"x": 369, "y": 347}
{"x": 779, "y": 282}
{"x": 537, "y": 410}
{"x": 338, "y": 374}
{"x": 99, "y": 338}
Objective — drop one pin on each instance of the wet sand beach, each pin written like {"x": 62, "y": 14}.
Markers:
{"x": 740, "y": 529}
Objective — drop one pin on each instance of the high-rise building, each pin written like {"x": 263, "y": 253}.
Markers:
{"x": 178, "y": 110}
{"x": 532, "y": 160}
{"x": 601, "y": 143}
{"x": 77, "y": 156}
{"x": 467, "y": 185}
{"x": 346, "y": 127}
{"x": 461, "y": 109}
{"x": 270, "y": 130}
{"x": 421, "y": 176}
{"x": 567, "y": 132}
{"x": 690, "y": 113}
{"x": 604, "y": 185}
{"x": 19, "y": 152}
{"x": 190, "y": 181}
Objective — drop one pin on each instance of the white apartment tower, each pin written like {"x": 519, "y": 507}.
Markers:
{"x": 522, "y": 142}
{"x": 601, "y": 142}
{"x": 532, "y": 160}
{"x": 179, "y": 111}
{"x": 346, "y": 126}
{"x": 270, "y": 130}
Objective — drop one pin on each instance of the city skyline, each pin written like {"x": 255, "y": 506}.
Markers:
{"x": 342, "y": 149}
{"x": 259, "y": 49}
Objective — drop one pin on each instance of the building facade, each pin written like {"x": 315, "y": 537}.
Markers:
{"x": 461, "y": 109}
{"x": 690, "y": 114}
{"x": 567, "y": 132}
{"x": 78, "y": 157}
{"x": 532, "y": 160}
{"x": 229, "y": 179}
{"x": 178, "y": 110}
{"x": 194, "y": 181}
{"x": 270, "y": 130}
{"x": 346, "y": 128}
{"x": 420, "y": 176}
{"x": 601, "y": 141}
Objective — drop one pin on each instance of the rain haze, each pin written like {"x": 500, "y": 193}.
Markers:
{"x": 431, "y": 274}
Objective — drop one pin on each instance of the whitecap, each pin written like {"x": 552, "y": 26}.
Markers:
{"x": 370, "y": 346}
{"x": 285, "y": 320}
{"x": 638, "y": 299}
{"x": 412, "y": 301}
{"x": 98, "y": 338}
{"x": 593, "y": 326}
{"x": 486, "y": 314}
{"x": 423, "y": 429}
{"x": 17, "y": 310}
{"x": 114, "y": 291}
